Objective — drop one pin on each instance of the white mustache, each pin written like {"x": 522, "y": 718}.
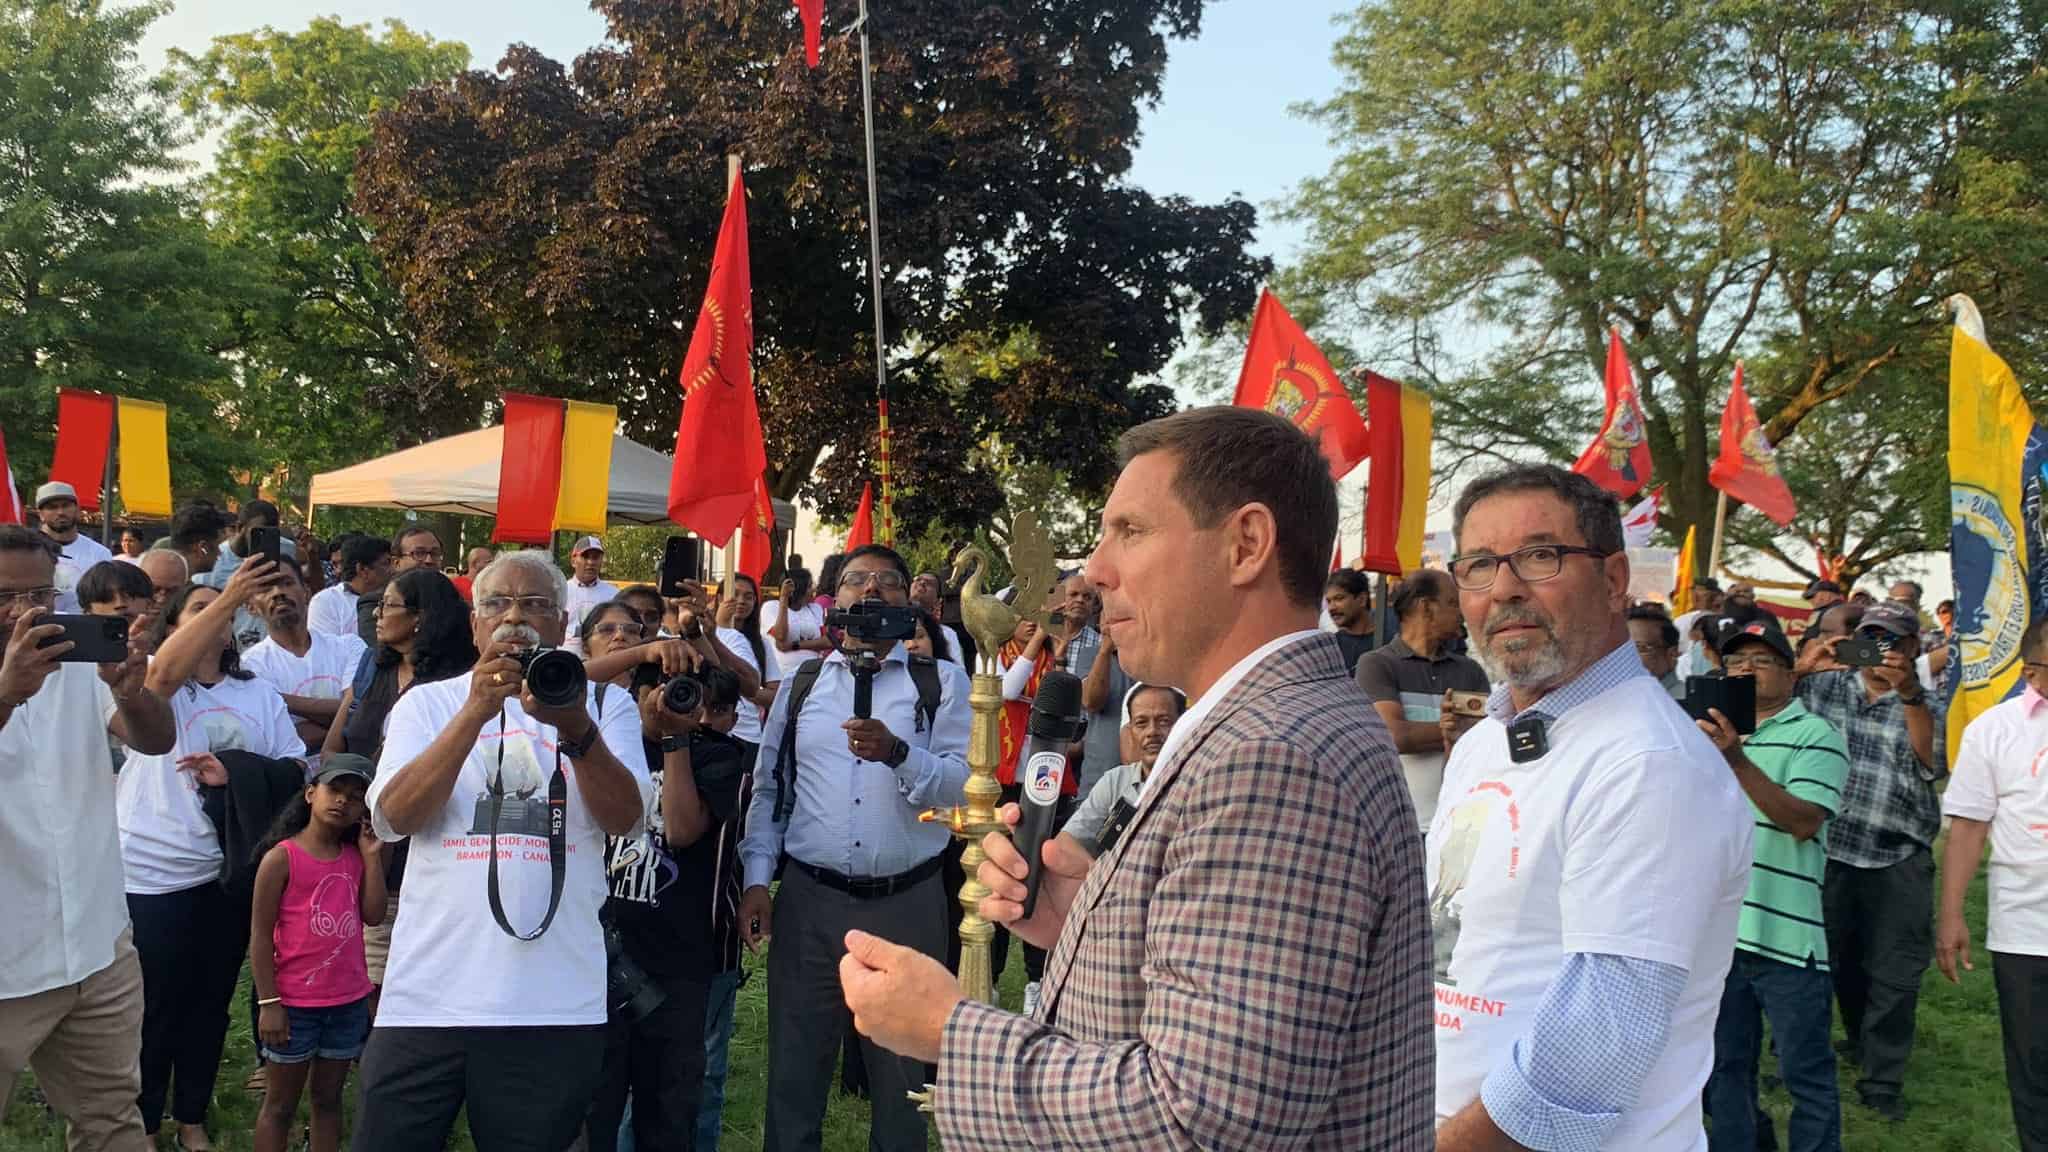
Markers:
{"x": 521, "y": 635}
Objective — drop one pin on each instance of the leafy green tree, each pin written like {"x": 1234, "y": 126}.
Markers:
{"x": 329, "y": 372}
{"x": 1798, "y": 183}
{"x": 108, "y": 277}
{"x": 551, "y": 228}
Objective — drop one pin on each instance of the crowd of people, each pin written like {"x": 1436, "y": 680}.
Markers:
{"x": 1460, "y": 869}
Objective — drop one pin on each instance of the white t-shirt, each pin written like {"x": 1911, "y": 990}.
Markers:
{"x": 60, "y": 857}
{"x": 167, "y": 844}
{"x": 1629, "y": 837}
{"x": 72, "y": 561}
{"x": 332, "y": 611}
{"x": 581, "y": 599}
{"x": 451, "y": 965}
{"x": 2001, "y": 779}
{"x": 806, "y": 623}
{"x": 323, "y": 673}
{"x": 748, "y": 726}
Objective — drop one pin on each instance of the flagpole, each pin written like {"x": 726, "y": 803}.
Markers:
{"x": 732, "y": 174}
{"x": 1720, "y": 521}
{"x": 867, "y": 105}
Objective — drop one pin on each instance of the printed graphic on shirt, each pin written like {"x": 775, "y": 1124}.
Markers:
{"x": 332, "y": 916}
{"x": 524, "y": 810}
{"x": 1487, "y": 810}
{"x": 641, "y": 867}
{"x": 222, "y": 729}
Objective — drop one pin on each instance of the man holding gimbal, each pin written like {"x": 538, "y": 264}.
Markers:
{"x": 838, "y": 794}
{"x": 508, "y": 779}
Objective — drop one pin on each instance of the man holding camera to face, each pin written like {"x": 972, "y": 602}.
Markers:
{"x": 508, "y": 780}
{"x": 1879, "y": 895}
{"x": 837, "y": 798}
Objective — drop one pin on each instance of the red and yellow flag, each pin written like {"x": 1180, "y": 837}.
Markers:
{"x": 1285, "y": 373}
{"x": 757, "y": 542}
{"x": 720, "y": 455}
{"x": 554, "y": 468}
{"x": 862, "y": 533}
{"x": 1397, "y": 485}
{"x": 86, "y": 424}
{"x": 1618, "y": 459}
{"x": 1746, "y": 469}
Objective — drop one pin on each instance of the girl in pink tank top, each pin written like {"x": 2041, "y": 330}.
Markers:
{"x": 319, "y": 884}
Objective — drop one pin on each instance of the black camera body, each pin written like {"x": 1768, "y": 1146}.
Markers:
{"x": 872, "y": 620}
{"x": 554, "y": 676}
{"x": 683, "y": 694}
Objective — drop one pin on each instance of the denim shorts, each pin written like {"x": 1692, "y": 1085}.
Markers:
{"x": 334, "y": 1033}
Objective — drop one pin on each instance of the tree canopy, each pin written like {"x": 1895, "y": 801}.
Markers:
{"x": 1797, "y": 184}
{"x": 551, "y": 227}
{"x": 109, "y": 278}
{"x": 329, "y": 372}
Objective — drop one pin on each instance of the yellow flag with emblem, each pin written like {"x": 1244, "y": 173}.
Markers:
{"x": 1996, "y": 457}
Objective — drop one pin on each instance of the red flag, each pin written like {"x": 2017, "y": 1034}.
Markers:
{"x": 1747, "y": 470}
{"x": 758, "y": 541}
{"x": 1284, "y": 373}
{"x": 1618, "y": 459}
{"x": 529, "y": 469}
{"x": 10, "y": 500}
{"x": 863, "y": 531}
{"x": 85, "y": 428}
{"x": 719, "y": 453}
{"x": 812, "y": 13}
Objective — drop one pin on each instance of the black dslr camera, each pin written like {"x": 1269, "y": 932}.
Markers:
{"x": 554, "y": 676}
{"x": 873, "y": 620}
{"x": 630, "y": 994}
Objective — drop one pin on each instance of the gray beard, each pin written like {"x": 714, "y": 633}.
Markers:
{"x": 1531, "y": 664}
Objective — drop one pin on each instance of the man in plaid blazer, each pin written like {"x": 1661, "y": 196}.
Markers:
{"x": 1249, "y": 967}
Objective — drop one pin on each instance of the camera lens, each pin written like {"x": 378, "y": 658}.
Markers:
{"x": 555, "y": 678}
{"x": 683, "y": 695}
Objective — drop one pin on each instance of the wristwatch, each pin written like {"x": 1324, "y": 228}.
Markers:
{"x": 898, "y": 754}
{"x": 576, "y": 749}
{"x": 674, "y": 744}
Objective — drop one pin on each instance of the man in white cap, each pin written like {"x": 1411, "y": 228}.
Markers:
{"x": 57, "y": 508}
{"x": 588, "y": 589}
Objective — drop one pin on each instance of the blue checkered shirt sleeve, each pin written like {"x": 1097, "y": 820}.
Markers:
{"x": 1594, "y": 1039}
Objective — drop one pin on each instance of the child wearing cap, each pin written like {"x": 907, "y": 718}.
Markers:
{"x": 320, "y": 881}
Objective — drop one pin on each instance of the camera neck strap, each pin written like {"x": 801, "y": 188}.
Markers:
{"x": 558, "y": 837}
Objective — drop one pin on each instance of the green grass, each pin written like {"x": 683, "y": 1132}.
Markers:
{"x": 1955, "y": 1087}
{"x": 31, "y": 1127}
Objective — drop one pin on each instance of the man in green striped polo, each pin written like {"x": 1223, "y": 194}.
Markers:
{"x": 1792, "y": 768}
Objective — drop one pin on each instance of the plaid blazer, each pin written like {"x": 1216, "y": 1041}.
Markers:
{"x": 1249, "y": 967}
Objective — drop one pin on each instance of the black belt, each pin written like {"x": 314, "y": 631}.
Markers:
{"x": 871, "y": 887}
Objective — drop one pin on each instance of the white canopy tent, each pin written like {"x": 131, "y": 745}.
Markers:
{"x": 459, "y": 475}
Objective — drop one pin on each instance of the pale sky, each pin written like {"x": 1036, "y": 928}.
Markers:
{"x": 1222, "y": 126}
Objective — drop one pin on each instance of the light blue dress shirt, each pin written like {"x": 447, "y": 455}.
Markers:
{"x": 1603, "y": 1024}
{"x": 857, "y": 817}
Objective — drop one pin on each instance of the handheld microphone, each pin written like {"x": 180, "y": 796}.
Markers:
{"x": 1042, "y": 768}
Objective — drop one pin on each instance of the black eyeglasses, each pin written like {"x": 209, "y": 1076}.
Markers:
{"x": 1531, "y": 565}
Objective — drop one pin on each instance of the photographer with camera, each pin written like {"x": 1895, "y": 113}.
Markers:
{"x": 1879, "y": 896}
{"x": 841, "y": 804}
{"x": 663, "y": 951}
{"x": 508, "y": 780}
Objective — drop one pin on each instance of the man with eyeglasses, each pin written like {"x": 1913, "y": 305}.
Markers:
{"x": 57, "y": 510}
{"x": 1590, "y": 851}
{"x": 414, "y": 546}
{"x": 1656, "y": 641}
{"x": 488, "y": 1003}
{"x": 589, "y": 588}
{"x": 1880, "y": 877}
{"x": 70, "y": 982}
{"x": 365, "y": 569}
{"x": 1792, "y": 768}
{"x": 843, "y": 829}
{"x": 2000, "y": 795}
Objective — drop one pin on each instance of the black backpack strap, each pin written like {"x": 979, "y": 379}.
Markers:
{"x": 924, "y": 672}
{"x": 785, "y": 756}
